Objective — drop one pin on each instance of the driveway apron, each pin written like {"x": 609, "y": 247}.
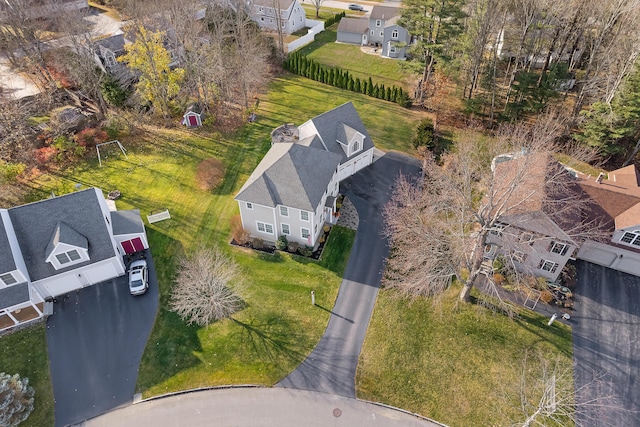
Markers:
{"x": 96, "y": 338}
{"x": 331, "y": 366}
{"x": 606, "y": 347}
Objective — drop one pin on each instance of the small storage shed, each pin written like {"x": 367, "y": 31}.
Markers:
{"x": 193, "y": 117}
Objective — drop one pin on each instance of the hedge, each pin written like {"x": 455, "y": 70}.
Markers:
{"x": 305, "y": 67}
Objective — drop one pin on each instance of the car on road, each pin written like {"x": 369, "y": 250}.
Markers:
{"x": 138, "y": 277}
{"x": 356, "y": 7}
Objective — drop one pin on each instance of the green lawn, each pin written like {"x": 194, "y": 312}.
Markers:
{"x": 459, "y": 364}
{"x": 350, "y": 57}
{"x": 25, "y": 353}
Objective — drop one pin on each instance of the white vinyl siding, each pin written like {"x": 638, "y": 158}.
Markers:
{"x": 264, "y": 227}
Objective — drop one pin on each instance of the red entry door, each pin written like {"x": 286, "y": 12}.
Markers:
{"x": 193, "y": 121}
{"x": 133, "y": 245}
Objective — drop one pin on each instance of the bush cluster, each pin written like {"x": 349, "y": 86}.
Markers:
{"x": 303, "y": 66}
{"x": 335, "y": 18}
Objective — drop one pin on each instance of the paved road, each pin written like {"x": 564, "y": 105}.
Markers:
{"x": 606, "y": 344}
{"x": 95, "y": 339}
{"x": 331, "y": 366}
{"x": 257, "y": 407}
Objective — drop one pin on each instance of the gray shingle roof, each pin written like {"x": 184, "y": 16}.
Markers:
{"x": 65, "y": 234}
{"x": 114, "y": 43}
{"x": 353, "y": 25}
{"x": 328, "y": 124}
{"x": 126, "y": 222}
{"x": 292, "y": 175}
{"x": 383, "y": 12}
{"x": 13, "y": 295}
{"x": 6, "y": 257}
{"x": 35, "y": 223}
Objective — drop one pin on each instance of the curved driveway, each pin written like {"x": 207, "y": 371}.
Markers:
{"x": 331, "y": 366}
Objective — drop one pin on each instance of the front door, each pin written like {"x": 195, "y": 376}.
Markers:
{"x": 364, "y": 39}
{"x": 193, "y": 121}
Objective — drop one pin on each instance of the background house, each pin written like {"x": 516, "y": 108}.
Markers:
{"x": 293, "y": 190}
{"x": 380, "y": 29}
{"x": 268, "y": 13}
{"x": 54, "y": 246}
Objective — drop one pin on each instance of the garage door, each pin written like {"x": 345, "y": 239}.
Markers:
{"x": 100, "y": 274}
{"x": 61, "y": 286}
{"x": 133, "y": 245}
{"x": 361, "y": 163}
{"x": 345, "y": 171}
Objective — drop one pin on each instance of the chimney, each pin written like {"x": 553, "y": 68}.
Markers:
{"x": 600, "y": 178}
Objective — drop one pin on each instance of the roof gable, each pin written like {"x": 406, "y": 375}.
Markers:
{"x": 63, "y": 234}
{"x": 383, "y": 12}
{"x": 292, "y": 175}
{"x": 35, "y": 223}
{"x": 353, "y": 25}
{"x": 7, "y": 263}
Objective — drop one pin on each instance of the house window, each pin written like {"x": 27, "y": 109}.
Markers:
{"x": 283, "y": 24}
{"x": 249, "y": 205}
{"x": 261, "y": 9}
{"x": 305, "y": 233}
{"x": 261, "y": 19}
{"x": 110, "y": 60}
{"x": 558, "y": 248}
{"x": 264, "y": 228}
{"x": 373, "y": 32}
{"x": 67, "y": 257}
{"x": 284, "y": 211}
{"x": 304, "y": 215}
{"x": 497, "y": 228}
{"x": 378, "y": 22}
{"x": 392, "y": 49}
{"x": 356, "y": 146}
{"x": 631, "y": 238}
{"x": 394, "y": 35}
{"x": 8, "y": 279}
{"x": 549, "y": 266}
{"x": 270, "y": 20}
{"x": 285, "y": 229}
{"x": 381, "y": 33}
{"x": 527, "y": 238}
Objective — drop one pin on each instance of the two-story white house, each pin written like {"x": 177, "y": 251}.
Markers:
{"x": 380, "y": 29}
{"x": 58, "y": 245}
{"x": 293, "y": 190}
{"x": 268, "y": 14}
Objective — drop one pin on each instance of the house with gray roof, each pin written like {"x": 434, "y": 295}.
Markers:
{"x": 52, "y": 247}
{"x": 293, "y": 190}
{"x": 268, "y": 14}
{"x": 380, "y": 29}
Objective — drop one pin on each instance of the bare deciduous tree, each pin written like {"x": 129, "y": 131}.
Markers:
{"x": 439, "y": 226}
{"x": 206, "y": 286}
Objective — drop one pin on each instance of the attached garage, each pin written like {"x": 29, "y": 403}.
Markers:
{"x": 353, "y": 165}
{"x": 610, "y": 256}
{"x": 132, "y": 246}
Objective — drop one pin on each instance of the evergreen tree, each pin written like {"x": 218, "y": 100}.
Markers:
{"x": 370, "y": 87}
{"x": 356, "y": 85}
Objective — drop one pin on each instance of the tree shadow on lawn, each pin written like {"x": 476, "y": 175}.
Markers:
{"x": 273, "y": 339}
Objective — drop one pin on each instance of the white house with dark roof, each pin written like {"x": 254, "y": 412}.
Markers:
{"x": 380, "y": 29}
{"x": 293, "y": 189}
{"x": 58, "y": 245}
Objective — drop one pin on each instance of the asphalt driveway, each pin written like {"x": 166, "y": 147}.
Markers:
{"x": 331, "y": 366}
{"x": 96, "y": 337}
{"x": 606, "y": 346}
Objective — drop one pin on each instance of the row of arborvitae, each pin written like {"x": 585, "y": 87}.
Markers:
{"x": 335, "y": 18}
{"x": 303, "y": 66}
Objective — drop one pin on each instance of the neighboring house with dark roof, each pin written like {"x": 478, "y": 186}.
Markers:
{"x": 35, "y": 9}
{"x": 288, "y": 13}
{"x": 379, "y": 29}
{"x": 108, "y": 50}
{"x": 58, "y": 245}
{"x": 293, "y": 190}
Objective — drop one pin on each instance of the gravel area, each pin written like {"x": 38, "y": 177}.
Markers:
{"x": 348, "y": 215}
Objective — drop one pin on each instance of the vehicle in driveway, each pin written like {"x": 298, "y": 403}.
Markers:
{"x": 138, "y": 277}
{"x": 356, "y": 7}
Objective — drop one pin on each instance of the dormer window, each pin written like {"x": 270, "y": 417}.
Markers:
{"x": 356, "y": 146}
{"x": 378, "y": 22}
{"x": 7, "y": 279}
{"x": 66, "y": 247}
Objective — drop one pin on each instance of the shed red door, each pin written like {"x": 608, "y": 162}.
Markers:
{"x": 133, "y": 245}
{"x": 193, "y": 120}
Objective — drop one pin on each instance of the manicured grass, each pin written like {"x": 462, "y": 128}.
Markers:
{"x": 25, "y": 353}
{"x": 459, "y": 364}
{"x": 359, "y": 64}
